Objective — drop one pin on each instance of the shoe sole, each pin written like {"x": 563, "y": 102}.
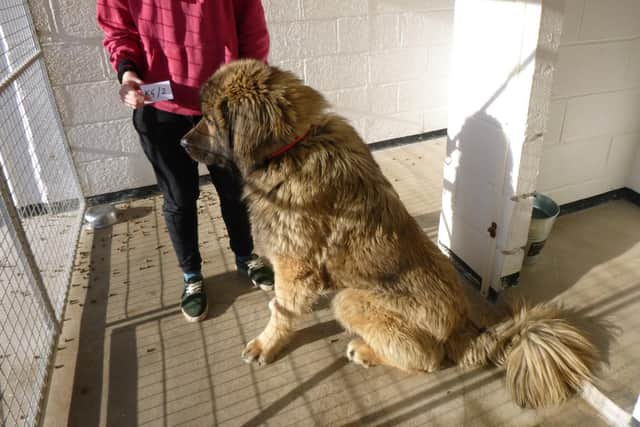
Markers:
{"x": 192, "y": 319}
{"x": 263, "y": 287}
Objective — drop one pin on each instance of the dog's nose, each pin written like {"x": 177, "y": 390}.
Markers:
{"x": 184, "y": 142}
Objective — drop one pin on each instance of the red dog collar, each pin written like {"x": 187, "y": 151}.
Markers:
{"x": 279, "y": 152}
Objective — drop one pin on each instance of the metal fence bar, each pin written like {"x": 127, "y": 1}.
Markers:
{"x": 38, "y": 283}
{"x": 18, "y": 71}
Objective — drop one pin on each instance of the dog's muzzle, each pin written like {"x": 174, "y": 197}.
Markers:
{"x": 193, "y": 150}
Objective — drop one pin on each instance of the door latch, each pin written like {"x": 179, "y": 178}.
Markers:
{"x": 492, "y": 230}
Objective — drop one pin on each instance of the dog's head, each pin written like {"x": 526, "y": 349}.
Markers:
{"x": 250, "y": 110}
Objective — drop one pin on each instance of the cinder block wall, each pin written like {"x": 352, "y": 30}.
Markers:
{"x": 594, "y": 124}
{"x": 103, "y": 143}
{"x": 382, "y": 63}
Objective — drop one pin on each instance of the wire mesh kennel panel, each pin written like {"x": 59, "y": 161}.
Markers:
{"x": 40, "y": 217}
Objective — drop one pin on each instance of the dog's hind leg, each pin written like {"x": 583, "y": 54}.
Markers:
{"x": 384, "y": 336}
{"x": 297, "y": 288}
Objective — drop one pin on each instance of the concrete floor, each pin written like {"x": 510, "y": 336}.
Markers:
{"x": 127, "y": 357}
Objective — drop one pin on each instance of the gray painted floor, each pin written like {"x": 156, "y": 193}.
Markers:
{"x": 127, "y": 357}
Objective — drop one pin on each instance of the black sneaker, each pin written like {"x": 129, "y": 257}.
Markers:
{"x": 260, "y": 273}
{"x": 194, "y": 300}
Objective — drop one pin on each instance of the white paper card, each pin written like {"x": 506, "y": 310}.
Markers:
{"x": 158, "y": 91}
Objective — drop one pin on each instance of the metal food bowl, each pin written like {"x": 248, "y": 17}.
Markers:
{"x": 100, "y": 216}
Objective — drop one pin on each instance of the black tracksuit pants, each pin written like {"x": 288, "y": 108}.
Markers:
{"x": 177, "y": 176}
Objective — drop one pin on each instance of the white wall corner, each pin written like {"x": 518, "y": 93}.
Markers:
{"x": 518, "y": 206}
{"x": 504, "y": 55}
{"x": 633, "y": 180}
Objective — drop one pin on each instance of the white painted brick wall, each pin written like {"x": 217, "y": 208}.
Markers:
{"x": 424, "y": 29}
{"x": 84, "y": 103}
{"x": 302, "y": 39}
{"x": 609, "y": 19}
{"x": 392, "y": 56}
{"x": 398, "y": 65}
{"x": 104, "y": 140}
{"x": 382, "y": 64}
{"x": 336, "y": 72}
{"x": 593, "y": 132}
{"x": 384, "y": 32}
{"x": 353, "y": 34}
{"x": 323, "y": 9}
{"x": 103, "y": 143}
{"x": 69, "y": 63}
{"x": 76, "y": 17}
{"x": 282, "y": 10}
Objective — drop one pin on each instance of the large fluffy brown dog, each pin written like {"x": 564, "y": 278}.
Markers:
{"x": 333, "y": 222}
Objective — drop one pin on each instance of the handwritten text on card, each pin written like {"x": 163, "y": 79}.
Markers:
{"x": 159, "y": 91}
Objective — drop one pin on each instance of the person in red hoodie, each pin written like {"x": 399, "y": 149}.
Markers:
{"x": 185, "y": 42}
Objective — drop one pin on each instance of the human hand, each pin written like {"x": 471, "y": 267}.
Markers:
{"x": 130, "y": 93}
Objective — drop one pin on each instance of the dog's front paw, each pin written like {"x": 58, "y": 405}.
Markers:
{"x": 361, "y": 354}
{"x": 256, "y": 352}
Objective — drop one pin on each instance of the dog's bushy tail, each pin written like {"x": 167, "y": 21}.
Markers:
{"x": 546, "y": 358}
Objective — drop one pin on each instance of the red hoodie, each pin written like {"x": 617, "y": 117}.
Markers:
{"x": 183, "y": 41}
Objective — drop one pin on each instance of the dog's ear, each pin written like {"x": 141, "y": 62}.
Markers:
{"x": 300, "y": 105}
{"x": 248, "y": 125}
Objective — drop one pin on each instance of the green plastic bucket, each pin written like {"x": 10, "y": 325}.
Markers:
{"x": 544, "y": 214}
